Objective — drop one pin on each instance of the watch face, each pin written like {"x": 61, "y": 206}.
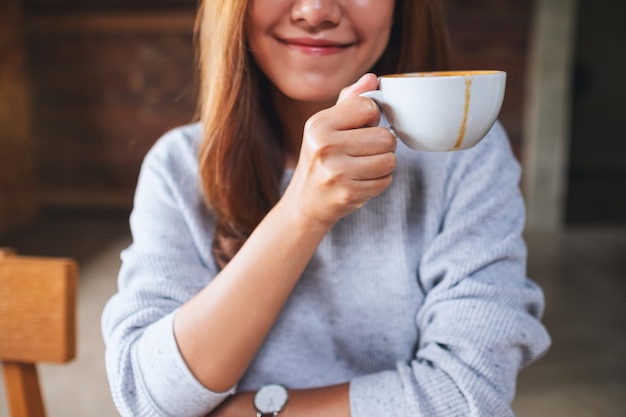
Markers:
{"x": 270, "y": 399}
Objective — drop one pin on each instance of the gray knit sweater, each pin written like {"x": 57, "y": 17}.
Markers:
{"x": 420, "y": 298}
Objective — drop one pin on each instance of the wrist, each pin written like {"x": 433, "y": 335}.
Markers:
{"x": 304, "y": 209}
{"x": 299, "y": 220}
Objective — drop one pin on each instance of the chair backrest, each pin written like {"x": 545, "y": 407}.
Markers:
{"x": 37, "y": 324}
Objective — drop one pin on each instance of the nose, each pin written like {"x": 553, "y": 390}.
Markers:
{"x": 316, "y": 13}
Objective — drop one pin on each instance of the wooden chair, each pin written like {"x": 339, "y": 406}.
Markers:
{"x": 37, "y": 324}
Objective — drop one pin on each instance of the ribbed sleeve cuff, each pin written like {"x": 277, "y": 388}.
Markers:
{"x": 376, "y": 395}
{"x": 166, "y": 377}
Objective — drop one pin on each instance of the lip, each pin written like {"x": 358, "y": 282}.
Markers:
{"x": 312, "y": 46}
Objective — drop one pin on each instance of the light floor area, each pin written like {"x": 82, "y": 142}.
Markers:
{"x": 582, "y": 271}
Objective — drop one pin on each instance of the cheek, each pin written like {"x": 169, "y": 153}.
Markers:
{"x": 258, "y": 22}
{"x": 374, "y": 24}
{"x": 256, "y": 43}
{"x": 378, "y": 38}
{"x": 264, "y": 16}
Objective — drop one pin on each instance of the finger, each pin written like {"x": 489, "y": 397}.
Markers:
{"x": 367, "y": 82}
{"x": 363, "y": 190}
{"x": 351, "y": 113}
{"x": 372, "y": 167}
{"x": 367, "y": 141}
{"x": 340, "y": 168}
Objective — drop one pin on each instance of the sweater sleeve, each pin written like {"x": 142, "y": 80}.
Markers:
{"x": 479, "y": 324}
{"x": 160, "y": 271}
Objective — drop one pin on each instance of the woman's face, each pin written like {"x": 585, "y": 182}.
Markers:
{"x": 311, "y": 49}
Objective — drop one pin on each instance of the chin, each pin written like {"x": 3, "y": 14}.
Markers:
{"x": 317, "y": 98}
{"x": 312, "y": 95}
{"x": 312, "y": 88}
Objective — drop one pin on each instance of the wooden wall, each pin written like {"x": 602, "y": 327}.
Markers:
{"x": 17, "y": 196}
{"x": 105, "y": 86}
{"x": 110, "y": 76}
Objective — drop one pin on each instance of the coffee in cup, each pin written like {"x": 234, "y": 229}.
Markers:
{"x": 440, "y": 111}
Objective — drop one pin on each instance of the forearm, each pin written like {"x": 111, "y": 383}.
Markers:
{"x": 329, "y": 401}
{"x": 220, "y": 330}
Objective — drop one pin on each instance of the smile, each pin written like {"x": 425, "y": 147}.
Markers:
{"x": 318, "y": 47}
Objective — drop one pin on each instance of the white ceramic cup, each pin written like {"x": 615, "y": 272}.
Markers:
{"x": 440, "y": 111}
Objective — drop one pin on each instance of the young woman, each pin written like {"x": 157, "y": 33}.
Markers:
{"x": 287, "y": 239}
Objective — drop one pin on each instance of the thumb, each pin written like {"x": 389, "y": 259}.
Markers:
{"x": 366, "y": 83}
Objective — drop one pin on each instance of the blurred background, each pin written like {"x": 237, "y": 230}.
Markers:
{"x": 87, "y": 86}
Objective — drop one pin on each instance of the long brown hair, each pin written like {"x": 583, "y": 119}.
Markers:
{"x": 241, "y": 153}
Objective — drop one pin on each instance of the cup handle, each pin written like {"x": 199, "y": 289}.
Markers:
{"x": 377, "y": 96}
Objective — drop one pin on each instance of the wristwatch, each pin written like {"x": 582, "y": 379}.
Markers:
{"x": 270, "y": 400}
